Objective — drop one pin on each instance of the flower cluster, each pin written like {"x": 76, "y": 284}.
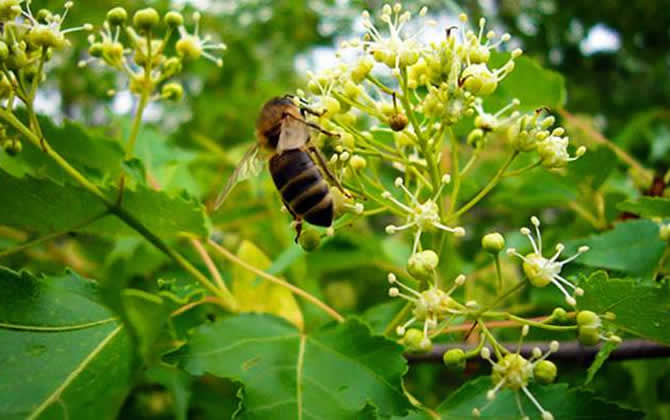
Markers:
{"x": 138, "y": 50}
{"x": 542, "y": 271}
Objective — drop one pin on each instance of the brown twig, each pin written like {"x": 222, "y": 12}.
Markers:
{"x": 572, "y": 351}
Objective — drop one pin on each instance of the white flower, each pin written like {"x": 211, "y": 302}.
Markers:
{"x": 540, "y": 270}
{"x": 492, "y": 122}
{"x": 431, "y": 306}
{"x": 554, "y": 150}
{"x": 398, "y": 48}
{"x": 514, "y": 372}
{"x": 47, "y": 32}
{"x": 192, "y": 46}
{"x": 421, "y": 216}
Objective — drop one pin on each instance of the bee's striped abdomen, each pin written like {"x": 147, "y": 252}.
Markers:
{"x": 302, "y": 187}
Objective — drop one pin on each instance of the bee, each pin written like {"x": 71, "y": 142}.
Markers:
{"x": 296, "y": 165}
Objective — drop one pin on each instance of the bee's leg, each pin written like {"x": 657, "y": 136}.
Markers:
{"x": 298, "y": 229}
{"x": 323, "y": 164}
{"x": 297, "y": 221}
{"x": 312, "y": 125}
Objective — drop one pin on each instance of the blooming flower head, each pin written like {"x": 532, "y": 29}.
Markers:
{"x": 45, "y": 29}
{"x": 542, "y": 271}
{"x": 192, "y": 46}
{"x": 421, "y": 216}
{"x": 514, "y": 372}
{"x": 431, "y": 306}
{"x": 399, "y": 48}
{"x": 492, "y": 122}
{"x": 553, "y": 150}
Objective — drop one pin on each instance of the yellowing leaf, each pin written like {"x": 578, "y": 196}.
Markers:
{"x": 255, "y": 294}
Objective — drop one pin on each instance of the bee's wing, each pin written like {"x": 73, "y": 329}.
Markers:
{"x": 294, "y": 134}
{"x": 250, "y": 165}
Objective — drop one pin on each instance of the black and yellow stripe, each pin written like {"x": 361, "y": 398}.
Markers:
{"x": 302, "y": 187}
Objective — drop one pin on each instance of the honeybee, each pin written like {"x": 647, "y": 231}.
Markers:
{"x": 297, "y": 166}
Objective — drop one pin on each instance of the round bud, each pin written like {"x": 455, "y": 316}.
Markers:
{"x": 171, "y": 66}
{"x": 545, "y": 372}
{"x": 189, "y": 48}
{"x": 331, "y": 105}
{"x": 117, "y": 16}
{"x": 398, "y": 122}
{"x": 422, "y": 264}
{"x": 588, "y": 336}
{"x": 664, "y": 232}
{"x": 454, "y": 359}
{"x": 479, "y": 80}
{"x": 412, "y": 338}
{"x": 493, "y": 242}
{"x": 559, "y": 314}
{"x": 145, "y": 19}
{"x": 357, "y": 162}
{"x": 43, "y": 16}
{"x": 309, "y": 239}
{"x": 172, "y": 91}
{"x": 174, "y": 19}
{"x": 95, "y": 50}
{"x": 4, "y": 51}
{"x": 12, "y": 147}
{"x": 588, "y": 319}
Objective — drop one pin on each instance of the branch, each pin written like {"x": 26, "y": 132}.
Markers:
{"x": 572, "y": 351}
{"x": 298, "y": 291}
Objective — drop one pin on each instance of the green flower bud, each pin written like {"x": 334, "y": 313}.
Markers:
{"x": 588, "y": 336}
{"x": 398, "y": 122}
{"x": 422, "y": 264}
{"x": 43, "y": 16}
{"x": 493, "y": 242}
{"x": 331, "y": 105}
{"x": 95, "y": 50}
{"x": 309, "y": 239}
{"x": 588, "y": 319}
{"x": 358, "y": 162}
{"x": 475, "y": 135}
{"x": 174, "y": 19}
{"x": 545, "y": 372}
{"x": 9, "y": 10}
{"x": 44, "y": 37}
{"x": 189, "y": 48}
{"x": 146, "y": 19}
{"x": 4, "y": 51}
{"x": 415, "y": 341}
{"x": 112, "y": 52}
{"x": 454, "y": 359}
{"x": 12, "y": 147}
{"x": 117, "y": 16}
{"x": 664, "y": 232}
{"x": 362, "y": 69}
{"x": 171, "y": 67}
{"x": 172, "y": 92}
{"x": 559, "y": 314}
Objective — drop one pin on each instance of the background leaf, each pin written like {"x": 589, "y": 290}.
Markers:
{"x": 640, "y": 309}
{"x": 647, "y": 206}
{"x": 61, "y": 350}
{"x": 331, "y": 373}
{"x": 256, "y": 294}
{"x": 632, "y": 247}
{"x": 42, "y": 206}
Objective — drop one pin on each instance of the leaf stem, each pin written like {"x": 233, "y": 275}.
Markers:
{"x": 455, "y": 171}
{"x": 209, "y": 263}
{"x": 52, "y": 235}
{"x": 481, "y": 194}
{"x": 298, "y": 291}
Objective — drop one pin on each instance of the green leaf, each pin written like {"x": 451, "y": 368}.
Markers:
{"x": 538, "y": 190}
{"x": 61, "y": 350}
{"x": 640, "y": 309}
{"x": 42, "y": 206}
{"x": 593, "y": 168}
{"x": 256, "y": 294}
{"x": 647, "y": 206}
{"x": 632, "y": 247}
{"x": 602, "y": 356}
{"x": 557, "y": 399}
{"x": 331, "y": 373}
{"x": 96, "y": 156}
{"x": 532, "y": 84}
